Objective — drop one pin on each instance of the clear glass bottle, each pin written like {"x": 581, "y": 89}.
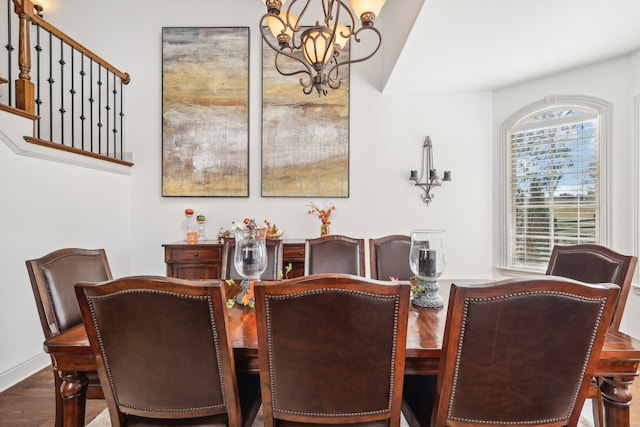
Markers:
{"x": 201, "y": 220}
{"x": 192, "y": 232}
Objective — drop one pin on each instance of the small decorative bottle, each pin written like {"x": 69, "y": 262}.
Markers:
{"x": 201, "y": 219}
{"x": 192, "y": 233}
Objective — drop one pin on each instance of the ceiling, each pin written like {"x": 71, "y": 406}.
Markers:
{"x": 462, "y": 45}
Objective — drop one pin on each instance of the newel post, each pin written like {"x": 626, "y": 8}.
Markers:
{"x": 24, "y": 86}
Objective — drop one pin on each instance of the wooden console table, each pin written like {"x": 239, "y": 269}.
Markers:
{"x": 203, "y": 260}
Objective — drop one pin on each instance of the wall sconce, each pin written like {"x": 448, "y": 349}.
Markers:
{"x": 428, "y": 172}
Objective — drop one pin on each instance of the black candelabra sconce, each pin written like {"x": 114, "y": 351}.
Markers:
{"x": 428, "y": 175}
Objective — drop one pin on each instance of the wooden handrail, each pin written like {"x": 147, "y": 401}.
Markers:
{"x": 24, "y": 86}
{"x": 77, "y": 46}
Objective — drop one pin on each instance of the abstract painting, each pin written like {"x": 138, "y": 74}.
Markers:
{"x": 205, "y": 111}
{"x": 305, "y": 138}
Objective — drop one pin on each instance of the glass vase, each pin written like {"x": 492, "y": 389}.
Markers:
{"x": 324, "y": 230}
{"x": 250, "y": 258}
{"x": 427, "y": 261}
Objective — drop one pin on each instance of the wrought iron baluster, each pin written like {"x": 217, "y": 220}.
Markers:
{"x": 106, "y": 113}
{"x": 99, "y": 108}
{"x": 38, "y": 100}
{"x": 61, "y": 110}
{"x": 72, "y": 91}
{"x": 91, "y": 100}
{"x": 82, "y": 116}
{"x": 115, "y": 126}
{"x": 121, "y": 120}
{"x": 50, "y": 81}
{"x": 9, "y": 47}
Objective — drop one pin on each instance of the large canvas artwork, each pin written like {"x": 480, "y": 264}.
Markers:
{"x": 305, "y": 138}
{"x": 205, "y": 112}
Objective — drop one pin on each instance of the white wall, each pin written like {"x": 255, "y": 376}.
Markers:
{"x": 610, "y": 81}
{"x": 47, "y": 206}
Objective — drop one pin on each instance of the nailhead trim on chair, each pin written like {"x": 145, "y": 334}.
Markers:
{"x": 91, "y": 299}
{"x": 332, "y": 290}
{"x": 591, "y": 251}
{"x": 468, "y": 301}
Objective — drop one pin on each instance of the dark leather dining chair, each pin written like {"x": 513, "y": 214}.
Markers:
{"x": 162, "y": 351}
{"x": 595, "y": 264}
{"x": 53, "y": 277}
{"x": 332, "y": 350}
{"x": 275, "y": 260}
{"x": 334, "y": 254}
{"x": 389, "y": 257}
{"x": 521, "y": 351}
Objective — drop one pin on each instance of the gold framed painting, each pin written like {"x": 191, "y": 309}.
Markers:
{"x": 205, "y": 111}
{"x": 305, "y": 138}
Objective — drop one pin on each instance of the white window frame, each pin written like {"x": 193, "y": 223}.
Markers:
{"x": 603, "y": 110}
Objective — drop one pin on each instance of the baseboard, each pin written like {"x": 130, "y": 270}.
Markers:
{"x": 24, "y": 370}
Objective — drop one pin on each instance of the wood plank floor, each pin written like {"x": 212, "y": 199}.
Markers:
{"x": 31, "y": 403}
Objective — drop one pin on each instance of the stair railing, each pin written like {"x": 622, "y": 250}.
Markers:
{"x": 75, "y": 96}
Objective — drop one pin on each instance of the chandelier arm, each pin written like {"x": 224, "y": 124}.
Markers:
{"x": 334, "y": 82}
{"x": 281, "y": 50}
{"x": 305, "y": 82}
{"x": 355, "y": 61}
{"x": 302, "y": 12}
{"x": 351, "y": 17}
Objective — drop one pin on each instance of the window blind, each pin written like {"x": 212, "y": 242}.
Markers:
{"x": 554, "y": 190}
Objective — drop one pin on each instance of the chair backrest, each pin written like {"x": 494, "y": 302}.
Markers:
{"x": 275, "y": 260}
{"x": 332, "y": 349}
{"x": 389, "y": 257}
{"x": 521, "y": 351}
{"x": 595, "y": 264}
{"x": 53, "y": 277}
{"x": 162, "y": 349}
{"x": 334, "y": 254}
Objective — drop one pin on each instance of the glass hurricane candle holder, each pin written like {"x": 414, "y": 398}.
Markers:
{"x": 250, "y": 257}
{"x": 427, "y": 261}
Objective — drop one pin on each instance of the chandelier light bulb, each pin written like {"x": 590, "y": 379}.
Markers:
{"x": 316, "y": 48}
{"x": 367, "y": 10}
{"x": 282, "y": 26}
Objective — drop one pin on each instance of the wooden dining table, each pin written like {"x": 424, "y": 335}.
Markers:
{"x": 618, "y": 363}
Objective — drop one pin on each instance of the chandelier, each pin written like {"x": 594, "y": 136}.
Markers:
{"x": 316, "y": 49}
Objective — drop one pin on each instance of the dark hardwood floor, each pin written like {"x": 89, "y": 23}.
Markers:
{"x": 31, "y": 403}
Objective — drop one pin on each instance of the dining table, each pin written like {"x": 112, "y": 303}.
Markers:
{"x": 617, "y": 366}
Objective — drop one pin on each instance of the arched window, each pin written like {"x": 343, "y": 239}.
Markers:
{"x": 554, "y": 178}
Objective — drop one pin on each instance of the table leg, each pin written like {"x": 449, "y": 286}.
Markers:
{"x": 617, "y": 400}
{"x": 74, "y": 396}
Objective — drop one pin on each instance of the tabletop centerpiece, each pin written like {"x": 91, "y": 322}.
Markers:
{"x": 427, "y": 262}
{"x": 250, "y": 258}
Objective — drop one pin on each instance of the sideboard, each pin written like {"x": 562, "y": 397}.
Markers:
{"x": 203, "y": 260}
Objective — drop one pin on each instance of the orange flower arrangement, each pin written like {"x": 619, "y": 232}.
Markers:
{"x": 247, "y": 299}
{"x": 273, "y": 230}
{"x": 323, "y": 214}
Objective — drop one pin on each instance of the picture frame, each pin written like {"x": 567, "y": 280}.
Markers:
{"x": 305, "y": 138}
{"x": 205, "y": 112}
